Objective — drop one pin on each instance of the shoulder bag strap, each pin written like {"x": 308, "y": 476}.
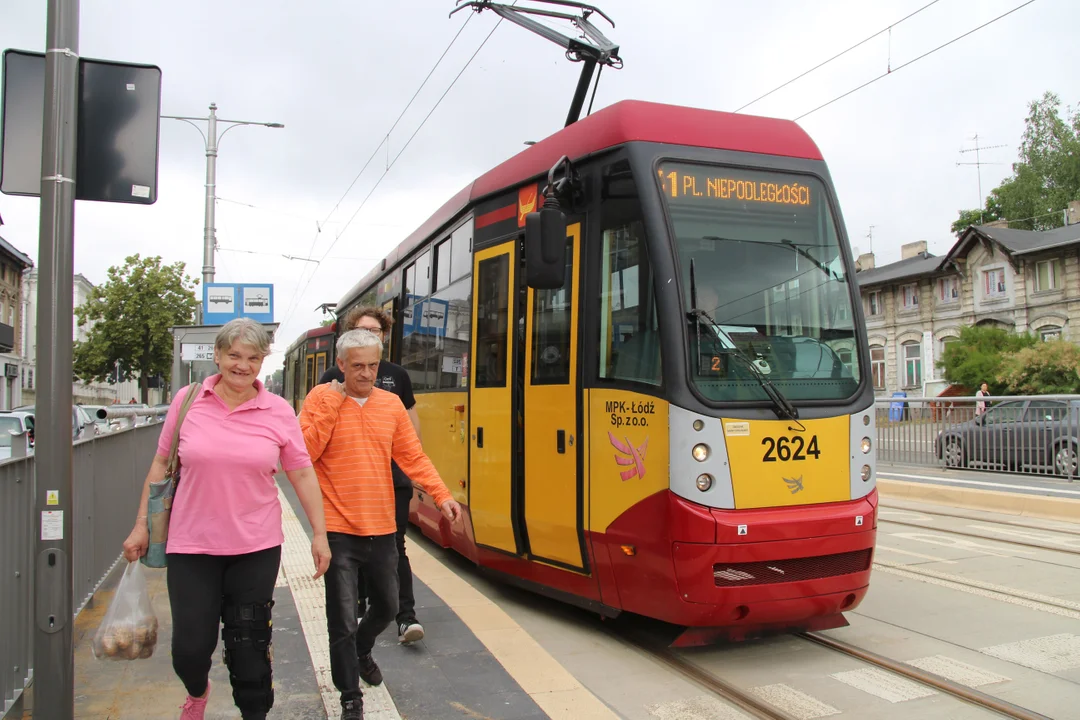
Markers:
{"x": 174, "y": 451}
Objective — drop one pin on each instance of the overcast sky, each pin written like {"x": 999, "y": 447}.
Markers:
{"x": 337, "y": 73}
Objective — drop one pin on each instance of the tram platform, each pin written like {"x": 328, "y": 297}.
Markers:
{"x": 475, "y": 662}
{"x": 1044, "y": 496}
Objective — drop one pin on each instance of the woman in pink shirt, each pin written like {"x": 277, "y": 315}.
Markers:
{"x": 225, "y": 535}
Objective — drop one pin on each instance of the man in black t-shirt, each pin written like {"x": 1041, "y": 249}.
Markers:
{"x": 392, "y": 378}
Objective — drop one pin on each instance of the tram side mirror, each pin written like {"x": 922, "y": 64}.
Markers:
{"x": 545, "y": 249}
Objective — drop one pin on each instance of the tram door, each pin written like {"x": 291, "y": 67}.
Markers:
{"x": 552, "y": 496}
{"x": 491, "y": 471}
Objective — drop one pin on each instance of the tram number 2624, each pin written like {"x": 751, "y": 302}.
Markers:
{"x": 783, "y": 449}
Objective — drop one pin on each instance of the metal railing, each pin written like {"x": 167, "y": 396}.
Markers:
{"x": 1028, "y": 434}
{"x": 108, "y": 473}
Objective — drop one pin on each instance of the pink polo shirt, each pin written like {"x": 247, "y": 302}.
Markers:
{"x": 227, "y": 500}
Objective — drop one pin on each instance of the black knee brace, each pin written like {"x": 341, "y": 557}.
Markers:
{"x": 248, "y": 654}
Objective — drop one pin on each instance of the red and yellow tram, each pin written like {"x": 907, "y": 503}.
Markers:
{"x": 641, "y": 366}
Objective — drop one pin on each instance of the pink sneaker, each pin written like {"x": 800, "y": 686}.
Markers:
{"x": 194, "y": 708}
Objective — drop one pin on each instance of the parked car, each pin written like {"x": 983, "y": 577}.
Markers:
{"x": 18, "y": 422}
{"x": 82, "y": 425}
{"x": 1016, "y": 434}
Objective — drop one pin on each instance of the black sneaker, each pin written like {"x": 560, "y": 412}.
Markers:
{"x": 369, "y": 671}
{"x": 352, "y": 710}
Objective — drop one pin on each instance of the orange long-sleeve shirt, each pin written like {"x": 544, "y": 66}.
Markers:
{"x": 351, "y": 447}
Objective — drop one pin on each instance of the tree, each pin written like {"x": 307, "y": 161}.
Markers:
{"x": 1046, "y": 178}
{"x": 1049, "y": 368}
{"x": 978, "y": 355}
{"x": 129, "y": 318}
{"x": 328, "y": 322}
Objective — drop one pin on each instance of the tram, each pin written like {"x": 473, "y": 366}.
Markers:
{"x": 641, "y": 367}
{"x": 305, "y": 362}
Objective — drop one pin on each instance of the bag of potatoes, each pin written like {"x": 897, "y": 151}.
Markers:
{"x": 129, "y": 630}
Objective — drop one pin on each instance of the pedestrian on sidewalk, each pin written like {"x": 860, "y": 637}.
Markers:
{"x": 225, "y": 536}
{"x": 980, "y": 405}
{"x": 353, "y": 431}
{"x": 391, "y": 377}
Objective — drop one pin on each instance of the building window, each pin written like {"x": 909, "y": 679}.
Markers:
{"x": 1047, "y": 275}
{"x": 912, "y": 353}
{"x": 1050, "y": 332}
{"x": 873, "y": 302}
{"x": 845, "y": 356}
{"x": 949, "y": 289}
{"x": 877, "y": 366}
{"x": 994, "y": 283}
{"x": 911, "y": 296}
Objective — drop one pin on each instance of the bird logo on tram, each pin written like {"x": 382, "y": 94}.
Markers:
{"x": 630, "y": 456}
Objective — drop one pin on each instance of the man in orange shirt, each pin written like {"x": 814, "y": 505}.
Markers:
{"x": 353, "y": 431}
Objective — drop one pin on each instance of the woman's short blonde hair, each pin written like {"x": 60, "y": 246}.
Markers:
{"x": 245, "y": 331}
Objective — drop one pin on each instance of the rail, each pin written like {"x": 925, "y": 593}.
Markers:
{"x": 108, "y": 472}
{"x": 1026, "y": 434}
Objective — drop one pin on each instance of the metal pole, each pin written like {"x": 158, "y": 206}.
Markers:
{"x": 54, "y": 695}
{"x": 209, "y": 231}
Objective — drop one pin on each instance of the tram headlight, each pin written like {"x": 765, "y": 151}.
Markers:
{"x": 700, "y": 452}
{"x": 865, "y": 473}
{"x": 866, "y": 445}
{"x": 704, "y": 482}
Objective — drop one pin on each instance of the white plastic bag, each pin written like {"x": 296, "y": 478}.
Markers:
{"x": 129, "y": 630}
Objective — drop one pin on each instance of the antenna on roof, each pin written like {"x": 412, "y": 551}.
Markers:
{"x": 978, "y": 169}
{"x": 871, "y": 236}
{"x": 600, "y": 51}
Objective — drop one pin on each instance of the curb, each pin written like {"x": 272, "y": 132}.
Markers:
{"x": 1035, "y": 506}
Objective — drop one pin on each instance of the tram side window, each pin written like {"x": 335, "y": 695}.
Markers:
{"x": 492, "y": 321}
{"x": 551, "y": 329}
{"x": 422, "y": 287}
{"x": 461, "y": 252}
{"x": 418, "y": 343}
{"x": 629, "y": 335}
{"x": 449, "y": 320}
{"x": 442, "y": 264}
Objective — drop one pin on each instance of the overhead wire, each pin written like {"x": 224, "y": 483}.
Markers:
{"x": 392, "y": 162}
{"x": 915, "y": 60}
{"x": 837, "y": 56}
{"x": 374, "y": 153}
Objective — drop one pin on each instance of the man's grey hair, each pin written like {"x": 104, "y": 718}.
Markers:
{"x": 358, "y": 339}
{"x": 245, "y": 331}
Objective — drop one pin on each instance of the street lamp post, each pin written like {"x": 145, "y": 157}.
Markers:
{"x": 212, "y": 139}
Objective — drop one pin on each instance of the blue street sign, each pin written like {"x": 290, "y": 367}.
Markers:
{"x": 223, "y": 302}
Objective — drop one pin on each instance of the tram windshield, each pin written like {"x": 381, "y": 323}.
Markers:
{"x": 762, "y": 277}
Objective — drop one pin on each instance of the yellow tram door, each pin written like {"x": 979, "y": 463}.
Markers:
{"x": 490, "y": 398}
{"x": 553, "y": 494}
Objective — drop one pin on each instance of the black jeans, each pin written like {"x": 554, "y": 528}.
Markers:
{"x": 349, "y": 640}
{"x": 205, "y": 590}
{"x": 406, "y": 612}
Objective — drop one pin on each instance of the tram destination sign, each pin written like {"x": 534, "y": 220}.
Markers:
{"x": 711, "y": 184}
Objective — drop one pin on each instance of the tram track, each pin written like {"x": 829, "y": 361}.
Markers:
{"x": 742, "y": 699}
{"x": 964, "y": 693}
{"x": 981, "y": 536}
{"x": 746, "y": 701}
{"x": 963, "y": 516}
{"x": 1007, "y": 592}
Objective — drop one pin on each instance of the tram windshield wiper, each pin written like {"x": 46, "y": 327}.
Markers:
{"x": 781, "y": 405}
{"x": 784, "y": 243}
